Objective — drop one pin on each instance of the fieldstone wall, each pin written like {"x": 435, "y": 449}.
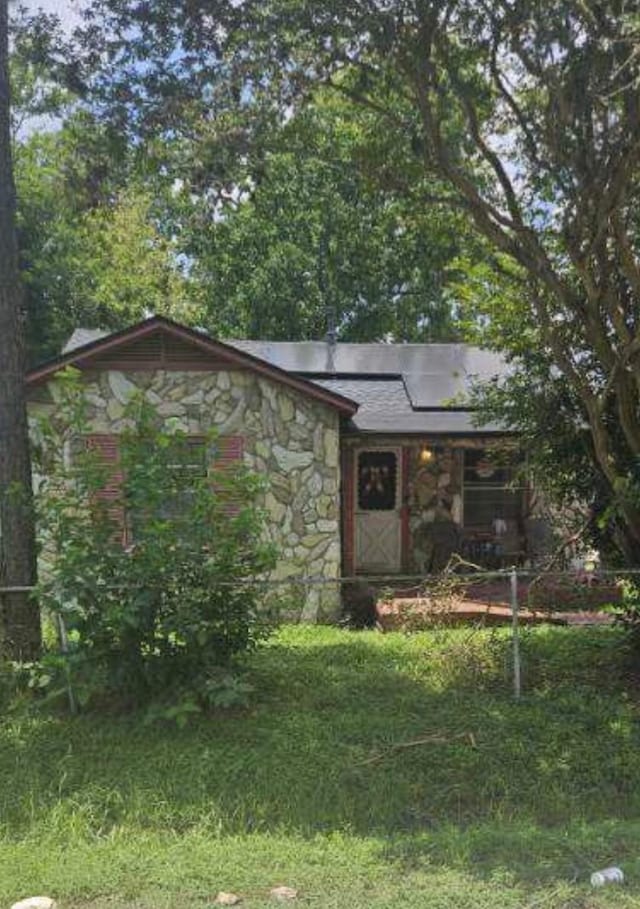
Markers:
{"x": 435, "y": 507}
{"x": 435, "y": 487}
{"x": 291, "y": 439}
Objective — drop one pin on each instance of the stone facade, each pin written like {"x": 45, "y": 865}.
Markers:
{"x": 288, "y": 437}
{"x": 435, "y": 506}
{"x": 435, "y": 487}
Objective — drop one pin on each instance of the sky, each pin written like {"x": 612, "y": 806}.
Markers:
{"x": 66, "y": 9}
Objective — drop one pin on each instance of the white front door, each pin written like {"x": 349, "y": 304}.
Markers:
{"x": 378, "y": 510}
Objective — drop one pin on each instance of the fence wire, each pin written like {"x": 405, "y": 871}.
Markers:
{"x": 504, "y": 606}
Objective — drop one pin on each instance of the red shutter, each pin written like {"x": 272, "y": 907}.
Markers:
{"x": 108, "y": 448}
{"x": 229, "y": 450}
{"x": 228, "y": 453}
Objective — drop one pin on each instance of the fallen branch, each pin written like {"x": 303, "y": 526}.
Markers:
{"x": 414, "y": 743}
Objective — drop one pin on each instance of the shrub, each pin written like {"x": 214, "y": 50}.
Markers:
{"x": 161, "y": 615}
{"x": 628, "y": 612}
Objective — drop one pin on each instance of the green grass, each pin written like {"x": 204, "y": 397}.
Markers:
{"x": 108, "y": 812}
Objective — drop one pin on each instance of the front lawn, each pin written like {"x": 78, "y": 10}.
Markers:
{"x": 499, "y": 805}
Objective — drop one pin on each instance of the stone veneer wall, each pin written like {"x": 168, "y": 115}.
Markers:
{"x": 435, "y": 488}
{"x": 290, "y": 438}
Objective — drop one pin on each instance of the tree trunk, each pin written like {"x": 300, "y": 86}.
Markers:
{"x": 20, "y": 614}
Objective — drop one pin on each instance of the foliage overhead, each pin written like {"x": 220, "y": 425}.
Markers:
{"x": 93, "y": 251}
{"x": 320, "y": 239}
{"x": 216, "y": 188}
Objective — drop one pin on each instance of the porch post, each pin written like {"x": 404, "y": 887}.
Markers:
{"x": 405, "y": 529}
{"x": 347, "y": 506}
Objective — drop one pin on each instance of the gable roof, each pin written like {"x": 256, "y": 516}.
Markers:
{"x": 97, "y": 346}
{"x": 413, "y": 389}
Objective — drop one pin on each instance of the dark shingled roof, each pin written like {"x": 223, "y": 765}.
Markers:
{"x": 401, "y": 388}
{"x": 385, "y": 406}
{"x": 385, "y": 395}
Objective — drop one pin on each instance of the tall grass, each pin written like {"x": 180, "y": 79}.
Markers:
{"x": 506, "y": 803}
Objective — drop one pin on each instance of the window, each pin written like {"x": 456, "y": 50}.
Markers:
{"x": 189, "y": 461}
{"x": 491, "y": 493}
{"x": 377, "y": 479}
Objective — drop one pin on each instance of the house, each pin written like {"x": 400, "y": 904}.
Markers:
{"x": 375, "y": 463}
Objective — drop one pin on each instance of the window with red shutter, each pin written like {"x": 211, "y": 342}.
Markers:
{"x": 190, "y": 460}
{"x": 228, "y": 452}
{"x": 186, "y": 464}
{"x": 108, "y": 450}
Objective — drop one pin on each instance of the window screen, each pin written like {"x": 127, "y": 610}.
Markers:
{"x": 491, "y": 490}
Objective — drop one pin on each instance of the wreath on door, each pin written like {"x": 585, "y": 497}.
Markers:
{"x": 376, "y": 480}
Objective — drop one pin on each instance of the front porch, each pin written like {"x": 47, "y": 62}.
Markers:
{"x": 409, "y": 504}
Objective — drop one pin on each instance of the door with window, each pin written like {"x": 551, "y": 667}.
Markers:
{"x": 378, "y": 510}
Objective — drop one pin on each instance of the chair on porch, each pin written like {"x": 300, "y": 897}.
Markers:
{"x": 434, "y": 545}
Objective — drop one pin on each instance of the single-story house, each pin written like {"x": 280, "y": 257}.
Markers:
{"x": 376, "y": 465}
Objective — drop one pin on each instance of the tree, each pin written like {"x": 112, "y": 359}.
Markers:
{"x": 93, "y": 252}
{"x": 21, "y": 618}
{"x": 527, "y": 110}
{"x": 535, "y": 400}
{"x": 313, "y": 238}
{"x": 299, "y": 201}
{"x": 107, "y": 234}
{"x": 41, "y": 78}
{"x": 163, "y": 618}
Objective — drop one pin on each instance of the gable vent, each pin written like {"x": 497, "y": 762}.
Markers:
{"x": 160, "y": 351}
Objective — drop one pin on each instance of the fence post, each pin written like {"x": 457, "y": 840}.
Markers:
{"x": 64, "y": 647}
{"x": 515, "y": 634}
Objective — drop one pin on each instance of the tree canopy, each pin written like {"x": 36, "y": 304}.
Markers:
{"x": 92, "y": 250}
{"x": 314, "y": 235}
{"x": 254, "y": 226}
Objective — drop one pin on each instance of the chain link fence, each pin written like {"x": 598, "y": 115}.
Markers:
{"x": 504, "y": 607}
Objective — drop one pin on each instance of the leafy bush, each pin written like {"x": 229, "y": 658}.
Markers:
{"x": 628, "y": 612}
{"x": 152, "y": 616}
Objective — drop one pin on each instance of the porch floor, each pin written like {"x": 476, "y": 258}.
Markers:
{"x": 557, "y": 600}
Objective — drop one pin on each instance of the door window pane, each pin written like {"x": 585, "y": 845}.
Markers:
{"x": 377, "y": 478}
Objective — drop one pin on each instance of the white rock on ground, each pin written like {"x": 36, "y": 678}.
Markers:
{"x": 227, "y": 899}
{"x": 283, "y": 893}
{"x": 35, "y": 902}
